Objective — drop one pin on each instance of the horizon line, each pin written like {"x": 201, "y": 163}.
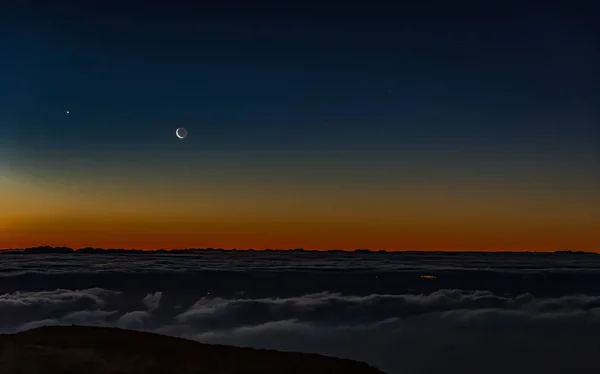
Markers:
{"x": 65, "y": 250}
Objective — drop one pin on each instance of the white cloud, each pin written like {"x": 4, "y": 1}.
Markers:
{"x": 133, "y": 320}
{"x": 57, "y": 297}
{"x": 152, "y": 301}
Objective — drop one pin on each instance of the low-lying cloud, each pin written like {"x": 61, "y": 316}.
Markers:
{"x": 262, "y": 275}
{"x": 143, "y": 263}
{"x": 449, "y": 330}
{"x": 492, "y": 313}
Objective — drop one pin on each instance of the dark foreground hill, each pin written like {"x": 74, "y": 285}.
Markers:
{"x": 92, "y": 350}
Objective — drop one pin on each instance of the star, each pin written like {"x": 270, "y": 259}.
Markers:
{"x": 68, "y": 112}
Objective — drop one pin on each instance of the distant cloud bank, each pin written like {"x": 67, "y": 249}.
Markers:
{"x": 481, "y": 313}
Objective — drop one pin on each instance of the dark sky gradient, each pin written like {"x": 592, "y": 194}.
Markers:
{"x": 450, "y": 95}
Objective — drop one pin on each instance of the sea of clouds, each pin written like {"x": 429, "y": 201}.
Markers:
{"x": 482, "y": 312}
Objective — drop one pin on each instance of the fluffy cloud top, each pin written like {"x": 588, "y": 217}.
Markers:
{"x": 447, "y": 330}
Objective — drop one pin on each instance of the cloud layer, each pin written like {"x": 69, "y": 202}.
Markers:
{"x": 447, "y": 330}
{"x": 493, "y": 313}
{"x": 246, "y": 261}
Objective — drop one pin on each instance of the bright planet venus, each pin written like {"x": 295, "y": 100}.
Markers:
{"x": 181, "y": 133}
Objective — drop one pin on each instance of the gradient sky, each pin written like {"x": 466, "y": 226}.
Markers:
{"x": 441, "y": 126}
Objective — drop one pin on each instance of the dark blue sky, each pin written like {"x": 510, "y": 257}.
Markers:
{"x": 320, "y": 76}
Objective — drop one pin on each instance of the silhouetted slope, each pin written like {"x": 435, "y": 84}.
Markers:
{"x": 93, "y": 350}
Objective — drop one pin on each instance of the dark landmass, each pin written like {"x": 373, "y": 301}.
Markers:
{"x": 88, "y": 250}
{"x": 91, "y": 350}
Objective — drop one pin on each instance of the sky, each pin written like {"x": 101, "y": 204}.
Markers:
{"x": 429, "y": 127}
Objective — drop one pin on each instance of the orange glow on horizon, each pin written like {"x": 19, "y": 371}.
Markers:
{"x": 154, "y": 234}
{"x": 128, "y": 212}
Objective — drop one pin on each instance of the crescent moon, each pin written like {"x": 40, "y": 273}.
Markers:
{"x": 181, "y": 133}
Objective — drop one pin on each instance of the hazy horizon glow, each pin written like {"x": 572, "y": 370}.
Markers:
{"x": 298, "y": 203}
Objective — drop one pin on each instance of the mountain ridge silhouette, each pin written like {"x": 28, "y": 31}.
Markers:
{"x": 91, "y": 250}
